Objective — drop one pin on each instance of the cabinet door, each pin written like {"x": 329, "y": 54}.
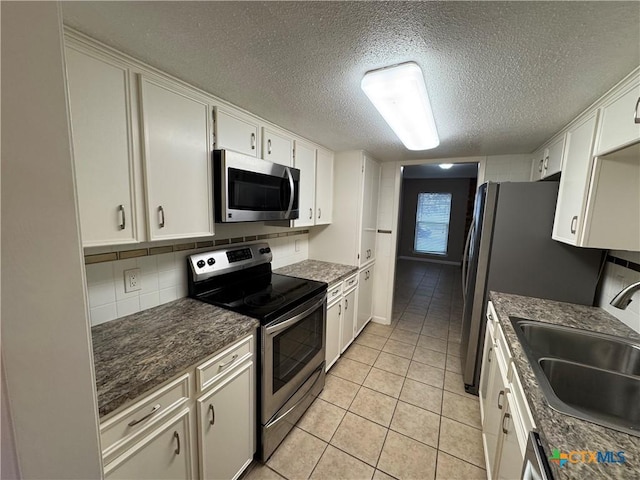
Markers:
{"x": 618, "y": 127}
{"x": 324, "y": 187}
{"x": 163, "y": 454}
{"x": 511, "y": 456}
{"x": 99, "y": 103}
{"x": 369, "y": 213}
{"x": 177, "y": 163}
{"x": 225, "y": 425}
{"x": 305, "y": 160}
{"x": 574, "y": 181}
{"x": 348, "y": 319}
{"x": 365, "y": 298}
{"x": 537, "y": 165}
{"x": 277, "y": 147}
{"x": 487, "y": 374}
{"x": 234, "y": 132}
{"x": 334, "y": 317}
{"x": 553, "y": 157}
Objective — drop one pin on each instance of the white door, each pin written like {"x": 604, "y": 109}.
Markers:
{"x": 365, "y": 298}
{"x": 234, "y": 132}
{"x": 334, "y": 317}
{"x": 348, "y": 319}
{"x": 574, "y": 181}
{"x": 553, "y": 157}
{"x": 324, "y": 187}
{"x": 511, "y": 456}
{"x": 277, "y": 147}
{"x": 163, "y": 454}
{"x": 102, "y": 148}
{"x": 225, "y": 426}
{"x": 494, "y": 401}
{"x": 369, "y": 214}
{"x": 305, "y": 160}
{"x": 177, "y": 163}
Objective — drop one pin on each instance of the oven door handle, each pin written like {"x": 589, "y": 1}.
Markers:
{"x": 293, "y": 193}
{"x": 281, "y": 326}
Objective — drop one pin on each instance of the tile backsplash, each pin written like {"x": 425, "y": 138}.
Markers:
{"x": 614, "y": 279}
{"x": 163, "y": 278}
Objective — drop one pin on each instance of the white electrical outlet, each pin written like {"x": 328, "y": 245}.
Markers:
{"x": 132, "y": 280}
{"x": 297, "y": 245}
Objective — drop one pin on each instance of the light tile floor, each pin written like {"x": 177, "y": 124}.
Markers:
{"x": 394, "y": 405}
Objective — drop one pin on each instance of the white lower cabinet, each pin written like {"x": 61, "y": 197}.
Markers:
{"x": 365, "y": 298}
{"x": 341, "y": 318}
{"x": 225, "y": 425}
{"x": 333, "y": 333}
{"x": 348, "y": 319}
{"x": 165, "y": 453}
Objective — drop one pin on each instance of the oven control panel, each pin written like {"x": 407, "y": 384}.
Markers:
{"x": 217, "y": 262}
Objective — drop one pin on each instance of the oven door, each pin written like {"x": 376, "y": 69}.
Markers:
{"x": 293, "y": 348}
{"x": 253, "y": 190}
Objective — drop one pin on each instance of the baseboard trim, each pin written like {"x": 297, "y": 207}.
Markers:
{"x": 428, "y": 260}
{"x": 380, "y": 320}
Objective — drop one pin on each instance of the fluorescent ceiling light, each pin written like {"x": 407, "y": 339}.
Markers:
{"x": 446, "y": 166}
{"x": 400, "y": 95}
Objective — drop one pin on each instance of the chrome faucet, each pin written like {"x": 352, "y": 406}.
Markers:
{"x": 623, "y": 298}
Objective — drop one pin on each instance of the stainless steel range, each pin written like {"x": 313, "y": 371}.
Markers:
{"x": 292, "y": 313}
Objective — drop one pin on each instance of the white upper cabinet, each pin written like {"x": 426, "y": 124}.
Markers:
{"x": 103, "y": 149}
{"x": 574, "y": 181}
{"x": 324, "y": 187}
{"x": 177, "y": 162}
{"x": 305, "y": 161}
{"x": 369, "y": 210}
{"x": 236, "y": 131}
{"x": 277, "y": 147}
{"x": 537, "y": 165}
{"x": 553, "y": 155}
{"x": 620, "y": 117}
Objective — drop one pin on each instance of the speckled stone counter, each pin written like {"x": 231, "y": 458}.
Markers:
{"x": 136, "y": 353}
{"x": 318, "y": 271}
{"x": 560, "y": 431}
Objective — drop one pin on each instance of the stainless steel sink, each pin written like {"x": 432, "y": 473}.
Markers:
{"x": 592, "y": 376}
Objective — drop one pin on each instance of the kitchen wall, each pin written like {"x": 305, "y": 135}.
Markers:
{"x": 616, "y": 276}
{"x": 459, "y": 189}
{"x": 164, "y": 276}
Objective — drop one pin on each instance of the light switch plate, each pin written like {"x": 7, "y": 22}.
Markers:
{"x": 132, "y": 280}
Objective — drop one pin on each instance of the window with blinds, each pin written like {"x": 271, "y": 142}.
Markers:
{"x": 432, "y": 223}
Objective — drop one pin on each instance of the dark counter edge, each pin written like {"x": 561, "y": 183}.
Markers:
{"x": 546, "y": 419}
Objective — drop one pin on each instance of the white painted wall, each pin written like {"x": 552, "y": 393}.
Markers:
{"x": 614, "y": 279}
{"x": 46, "y": 345}
{"x": 164, "y": 277}
{"x": 505, "y": 168}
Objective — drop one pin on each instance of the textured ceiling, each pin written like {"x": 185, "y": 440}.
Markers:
{"x": 502, "y": 76}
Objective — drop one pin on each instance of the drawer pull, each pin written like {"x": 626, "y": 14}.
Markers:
{"x": 499, "y": 395}
{"x": 176, "y": 435}
{"x": 636, "y": 114}
{"x": 346, "y": 304}
{"x": 253, "y": 141}
{"x": 489, "y": 354}
{"x": 225, "y": 365}
{"x": 153, "y": 411}
{"x": 213, "y": 415}
{"x": 505, "y": 417}
{"x": 574, "y": 222}
{"x": 123, "y": 222}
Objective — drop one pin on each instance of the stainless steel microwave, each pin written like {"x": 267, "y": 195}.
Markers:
{"x": 248, "y": 189}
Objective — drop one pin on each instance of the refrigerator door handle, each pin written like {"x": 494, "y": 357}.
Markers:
{"x": 465, "y": 259}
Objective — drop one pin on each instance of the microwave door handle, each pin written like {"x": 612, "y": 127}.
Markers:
{"x": 282, "y": 325}
{"x": 291, "y": 190}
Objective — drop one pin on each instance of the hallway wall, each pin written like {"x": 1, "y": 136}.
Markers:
{"x": 459, "y": 189}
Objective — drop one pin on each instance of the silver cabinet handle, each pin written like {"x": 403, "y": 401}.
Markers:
{"x": 574, "y": 223}
{"x": 161, "y": 212}
{"x": 253, "y": 141}
{"x": 122, "y": 217}
{"x": 339, "y": 309}
{"x": 489, "y": 355}
{"x": 225, "y": 365}
{"x": 546, "y": 162}
{"x": 176, "y": 435}
{"x": 319, "y": 212}
{"x": 346, "y": 304}
{"x": 540, "y": 165}
{"x": 500, "y": 406}
{"x": 269, "y": 146}
{"x": 310, "y": 213}
{"x": 490, "y": 316}
{"x": 153, "y": 411}
{"x": 636, "y": 113}
{"x": 213, "y": 415}
{"x": 505, "y": 417}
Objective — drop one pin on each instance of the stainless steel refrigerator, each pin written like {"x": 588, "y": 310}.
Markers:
{"x": 510, "y": 250}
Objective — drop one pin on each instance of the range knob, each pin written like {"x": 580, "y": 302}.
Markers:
{"x": 211, "y": 261}
{"x": 265, "y": 250}
{"x": 200, "y": 263}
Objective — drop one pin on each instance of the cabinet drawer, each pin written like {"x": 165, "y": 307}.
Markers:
{"x": 351, "y": 282}
{"x": 118, "y": 430}
{"x": 212, "y": 370}
{"x": 334, "y": 293}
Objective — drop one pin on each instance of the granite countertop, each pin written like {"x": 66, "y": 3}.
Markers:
{"x": 319, "y": 271}
{"x": 134, "y": 354}
{"x": 560, "y": 431}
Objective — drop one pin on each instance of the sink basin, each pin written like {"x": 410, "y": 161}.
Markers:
{"x": 595, "y": 349}
{"x": 592, "y": 376}
{"x": 594, "y": 394}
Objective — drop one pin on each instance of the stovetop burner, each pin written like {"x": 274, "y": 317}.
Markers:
{"x": 264, "y": 300}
